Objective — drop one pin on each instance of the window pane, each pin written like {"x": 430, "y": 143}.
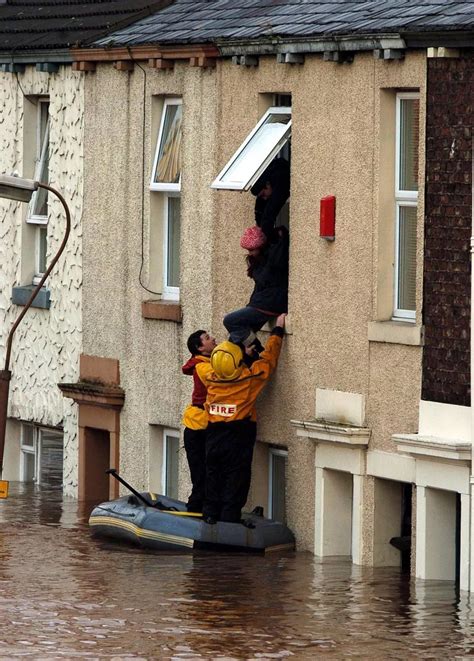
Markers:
{"x": 282, "y": 100}
{"x": 174, "y": 233}
{"x": 258, "y": 149}
{"x": 51, "y": 469}
{"x": 278, "y": 468}
{"x": 171, "y": 469}
{"x": 408, "y": 143}
{"x": 27, "y": 436}
{"x": 39, "y": 201}
{"x": 44, "y": 117}
{"x": 42, "y": 238}
{"x": 168, "y": 167}
{"x": 28, "y": 466}
{"x": 406, "y": 258}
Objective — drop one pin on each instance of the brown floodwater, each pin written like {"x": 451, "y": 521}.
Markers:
{"x": 64, "y": 595}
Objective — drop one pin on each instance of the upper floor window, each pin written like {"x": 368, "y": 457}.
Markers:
{"x": 165, "y": 185}
{"x": 166, "y": 174}
{"x": 406, "y": 204}
{"x": 257, "y": 151}
{"x": 37, "y": 214}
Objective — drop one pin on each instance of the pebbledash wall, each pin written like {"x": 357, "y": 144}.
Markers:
{"x": 47, "y": 344}
{"x": 339, "y": 337}
{"x": 117, "y": 246}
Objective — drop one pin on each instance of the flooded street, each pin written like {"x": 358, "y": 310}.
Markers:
{"x": 66, "y": 595}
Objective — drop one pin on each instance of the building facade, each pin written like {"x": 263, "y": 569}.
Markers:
{"x": 350, "y": 373}
{"x": 42, "y": 138}
{"x": 365, "y": 435}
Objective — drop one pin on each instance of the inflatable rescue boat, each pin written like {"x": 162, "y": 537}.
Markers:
{"x": 162, "y": 523}
{"x": 129, "y": 519}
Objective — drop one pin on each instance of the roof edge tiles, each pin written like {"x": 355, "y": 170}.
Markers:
{"x": 245, "y": 23}
{"x": 24, "y": 33}
{"x": 59, "y": 56}
{"x": 169, "y": 52}
{"x": 349, "y": 43}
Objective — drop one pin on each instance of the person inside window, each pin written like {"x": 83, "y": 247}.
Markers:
{"x": 267, "y": 258}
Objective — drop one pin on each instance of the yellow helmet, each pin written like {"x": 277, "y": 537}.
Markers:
{"x": 227, "y": 361}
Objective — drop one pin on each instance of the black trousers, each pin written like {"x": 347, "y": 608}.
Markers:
{"x": 195, "y": 446}
{"x": 229, "y": 451}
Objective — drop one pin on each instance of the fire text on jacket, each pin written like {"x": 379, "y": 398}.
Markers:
{"x": 224, "y": 410}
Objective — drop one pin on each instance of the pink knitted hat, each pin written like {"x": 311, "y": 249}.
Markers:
{"x": 253, "y": 238}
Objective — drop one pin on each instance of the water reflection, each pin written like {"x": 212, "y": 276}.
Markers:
{"x": 65, "y": 595}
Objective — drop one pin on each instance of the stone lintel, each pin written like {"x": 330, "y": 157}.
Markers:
{"x": 94, "y": 394}
{"x": 433, "y": 447}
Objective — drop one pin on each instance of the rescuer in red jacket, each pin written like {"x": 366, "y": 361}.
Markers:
{"x": 200, "y": 345}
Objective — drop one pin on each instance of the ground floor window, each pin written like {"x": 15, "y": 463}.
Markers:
{"x": 41, "y": 458}
{"x": 170, "y": 462}
{"x": 278, "y": 460}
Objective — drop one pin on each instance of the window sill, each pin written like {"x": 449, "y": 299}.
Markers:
{"x": 164, "y": 310}
{"x": 270, "y": 325}
{"x": 395, "y": 332}
{"x": 21, "y": 295}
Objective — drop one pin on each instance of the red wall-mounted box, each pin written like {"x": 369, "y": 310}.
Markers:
{"x": 327, "y": 218}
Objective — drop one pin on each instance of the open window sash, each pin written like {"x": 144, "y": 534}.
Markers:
{"x": 257, "y": 151}
{"x": 166, "y": 173}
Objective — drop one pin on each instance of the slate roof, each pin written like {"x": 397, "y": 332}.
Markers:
{"x": 52, "y": 24}
{"x": 200, "y": 21}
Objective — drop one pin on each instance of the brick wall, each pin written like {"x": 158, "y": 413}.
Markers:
{"x": 446, "y": 304}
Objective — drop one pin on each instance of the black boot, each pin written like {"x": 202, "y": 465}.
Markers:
{"x": 258, "y": 346}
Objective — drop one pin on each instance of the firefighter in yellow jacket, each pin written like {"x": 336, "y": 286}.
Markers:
{"x": 232, "y": 389}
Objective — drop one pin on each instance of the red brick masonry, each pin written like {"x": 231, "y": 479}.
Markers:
{"x": 446, "y": 298}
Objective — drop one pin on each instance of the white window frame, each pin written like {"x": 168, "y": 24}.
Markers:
{"x": 35, "y": 449}
{"x": 33, "y": 219}
{"x": 168, "y": 292}
{"x": 166, "y": 191}
{"x": 273, "y": 452}
{"x": 29, "y": 449}
{"x": 154, "y": 186}
{"x": 174, "y": 434}
{"x": 403, "y": 198}
{"x": 40, "y": 157}
{"x": 265, "y": 157}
